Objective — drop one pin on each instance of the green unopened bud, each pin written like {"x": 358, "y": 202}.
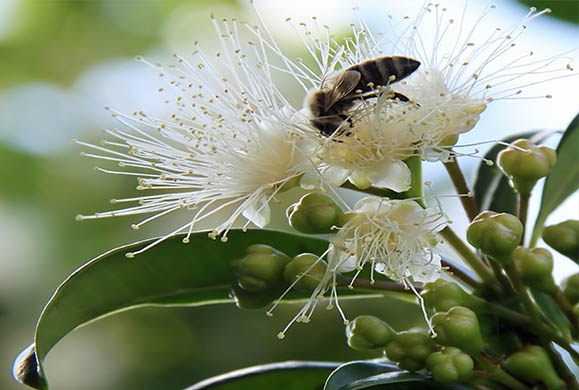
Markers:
{"x": 443, "y": 295}
{"x": 570, "y": 287}
{"x": 261, "y": 269}
{"x": 535, "y": 267}
{"x": 564, "y": 238}
{"x": 525, "y": 163}
{"x": 459, "y": 328}
{"x": 314, "y": 214}
{"x": 449, "y": 140}
{"x": 244, "y": 299}
{"x": 368, "y": 332}
{"x": 308, "y": 269}
{"x": 450, "y": 365}
{"x": 291, "y": 183}
{"x": 576, "y": 310}
{"x": 410, "y": 349}
{"x": 533, "y": 366}
{"x": 496, "y": 235}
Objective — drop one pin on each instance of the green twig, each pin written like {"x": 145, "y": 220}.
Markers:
{"x": 377, "y": 285}
{"x": 513, "y": 317}
{"x": 502, "y": 278}
{"x": 469, "y": 257}
{"x": 466, "y": 278}
{"x": 496, "y": 373}
{"x": 466, "y": 196}
{"x": 523, "y": 209}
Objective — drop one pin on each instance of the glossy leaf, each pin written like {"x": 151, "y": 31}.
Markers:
{"x": 281, "y": 376}
{"x": 553, "y": 312}
{"x": 562, "y": 9}
{"x": 371, "y": 374}
{"x": 563, "y": 180}
{"x": 349, "y": 372}
{"x": 172, "y": 273}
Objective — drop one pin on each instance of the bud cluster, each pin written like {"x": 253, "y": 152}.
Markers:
{"x": 264, "y": 273}
{"x": 464, "y": 340}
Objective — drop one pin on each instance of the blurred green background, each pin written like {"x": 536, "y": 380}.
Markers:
{"x": 61, "y": 62}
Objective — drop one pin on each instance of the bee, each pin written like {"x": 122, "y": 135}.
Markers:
{"x": 329, "y": 107}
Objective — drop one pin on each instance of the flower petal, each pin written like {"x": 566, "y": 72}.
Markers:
{"x": 394, "y": 175}
{"x": 258, "y": 211}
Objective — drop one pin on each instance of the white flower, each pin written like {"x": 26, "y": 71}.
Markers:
{"x": 397, "y": 237}
{"x": 465, "y": 67}
{"x": 229, "y": 146}
{"x": 394, "y": 237}
{"x": 458, "y": 76}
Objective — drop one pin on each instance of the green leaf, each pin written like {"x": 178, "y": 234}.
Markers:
{"x": 369, "y": 374}
{"x": 553, "y": 312}
{"x": 172, "y": 273}
{"x": 567, "y": 10}
{"x": 491, "y": 188}
{"x": 563, "y": 180}
{"x": 349, "y": 372}
{"x": 280, "y": 376}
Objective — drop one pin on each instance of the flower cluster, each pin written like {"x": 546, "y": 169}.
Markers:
{"x": 234, "y": 141}
{"x": 457, "y": 77}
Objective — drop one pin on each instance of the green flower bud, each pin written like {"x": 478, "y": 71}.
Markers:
{"x": 443, "y": 295}
{"x": 291, "y": 183}
{"x": 410, "y": 349}
{"x": 450, "y": 365}
{"x": 535, "y": 267}
{"x": 368, "y": 332}
{"x": 346, "y": 217}
{"x": 261, "y": 269}
{"x": 576, "y": 310}
{"x": 308, "y": 269}
{"x": 532, "y": 365}
{"x": 459, "y": 328}
{"x": 525, "y": 163}
{"x": 244, "y": 299}
{"x": 314, "y": 214}
{"x": 570, "y": 287}
{"x": 564, "y": 238}
{"x": 496, "y": 235}
{"x": 449, "y": 140}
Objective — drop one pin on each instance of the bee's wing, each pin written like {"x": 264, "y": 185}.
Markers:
{"x": 343, "y": 85}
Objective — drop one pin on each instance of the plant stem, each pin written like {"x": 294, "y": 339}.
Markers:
{"x": 378, "y": 285}
{"x": 466, "y": 278}
{"x": 522, "y": 213}
{"x": 467, "y": 198}
{"x": 514, "y": 317}
{"x": 496, "y": 373}
{"x": 469, "y": 257}
{"x": 502, "y": 278}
